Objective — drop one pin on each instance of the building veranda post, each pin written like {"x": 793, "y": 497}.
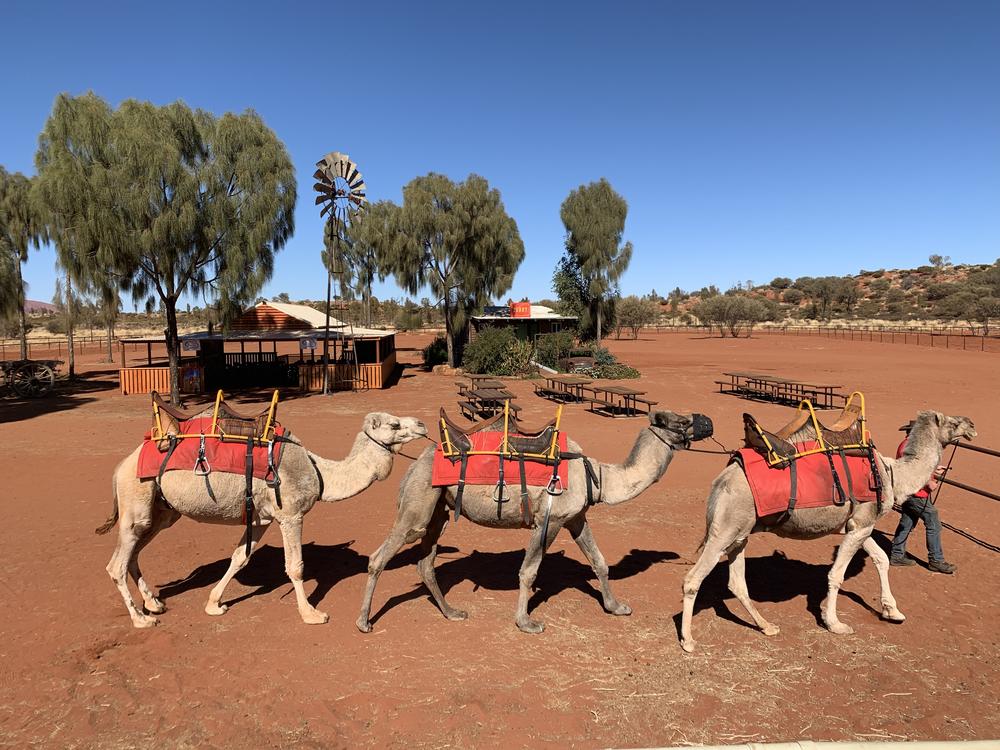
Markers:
{"x": 272, "y": 344}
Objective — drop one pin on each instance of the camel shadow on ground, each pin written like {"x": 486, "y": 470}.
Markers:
{"x": 498, "y": 571}
{"x": 776, "y": 578}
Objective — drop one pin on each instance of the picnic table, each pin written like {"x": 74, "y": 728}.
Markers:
{"x": 479, "y": 381}
{"x": 563, "y": 387}
{"x": 486, "y": 402}
{"x": 618, "y": 401}
{"x": 770, "y": 387}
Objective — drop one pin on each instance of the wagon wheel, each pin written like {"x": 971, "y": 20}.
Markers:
{"x": 33, "y": 379}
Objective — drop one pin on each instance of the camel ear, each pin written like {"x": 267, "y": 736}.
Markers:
{"x": 376, "y": 421}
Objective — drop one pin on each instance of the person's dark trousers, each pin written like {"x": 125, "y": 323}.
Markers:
{"x": 918, "y": 509}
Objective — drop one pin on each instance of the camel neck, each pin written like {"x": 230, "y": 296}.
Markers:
{"x": 367, "y": 463}
{"x": 914, "y": 468}
{"x": 647, "y": 462}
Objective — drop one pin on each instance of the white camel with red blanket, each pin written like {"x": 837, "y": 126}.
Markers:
{"x": 424, "y": 508}
{"x": 732, "y": 517}
{"x": 219, "y": 497}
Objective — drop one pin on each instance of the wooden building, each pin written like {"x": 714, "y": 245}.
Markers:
{"x": 247, "y": 354}
{"x": 528, "y": 321}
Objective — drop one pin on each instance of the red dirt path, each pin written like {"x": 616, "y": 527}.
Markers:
{"x": 74, "y": 673}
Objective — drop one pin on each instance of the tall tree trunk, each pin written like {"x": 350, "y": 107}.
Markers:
{"x": 70, "y": 323}
{"x": 326, "y": 331}
{"x": 449, "y": 334}
{"x": 599, "y": 321}
{"x": 111, "y": 335}
{"x": 173, "y": 350}
{"x": 21, "y": 318}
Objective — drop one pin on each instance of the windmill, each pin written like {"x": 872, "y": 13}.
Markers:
{"x": 341, "y": 192}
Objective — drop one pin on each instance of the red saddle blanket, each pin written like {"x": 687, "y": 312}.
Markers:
{"x": 771, "y": 487}
{"x": 227, "y": 457}
{"x": 486, "y": 469}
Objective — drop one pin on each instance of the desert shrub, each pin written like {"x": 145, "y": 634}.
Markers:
{"x": 436, "y": 352}
{"x": 940, "y": 291}
{"x": 552, "y": 347}
{"x": 497, "y": 351}
{"x": 407, "y": 320}
{"x": 617, "y": 371}
{"x": 602, "y": 356}
{"x": 781, "y": 282}
{"x": 792, "y": 296}
{"x": 733, "y": 313}
{"x": 56, "y": 326}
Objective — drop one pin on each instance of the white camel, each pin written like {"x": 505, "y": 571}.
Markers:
{"x": 219, "y": 498}
{"x": 732, "y": 517}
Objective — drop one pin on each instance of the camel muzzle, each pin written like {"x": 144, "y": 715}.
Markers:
{"x": 701, "y": 427}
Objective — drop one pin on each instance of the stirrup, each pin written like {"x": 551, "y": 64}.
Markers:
{"x": 500, "y": 496}
{"x": 202, "y": 468}
{"x": 555, "y": 485}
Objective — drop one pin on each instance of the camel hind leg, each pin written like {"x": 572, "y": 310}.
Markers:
{"x": 584, "y": 538}
{"x": 129, "y": 537}
{"x": 714, "y": 546}
{"x": 878, "y": 556}
{"x": 164, "y": 519}
{"x": 428, "y": 546}
{"x": 237, "y": 562}
{"x": 738, "y": 585}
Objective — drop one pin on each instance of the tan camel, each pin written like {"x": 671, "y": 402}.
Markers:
{"x": 305, "y": 478}
{"x": 732, "y": 518}
{"x": 423, "y": 513}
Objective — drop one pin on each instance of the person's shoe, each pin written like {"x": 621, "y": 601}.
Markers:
{"x": 902, "y": 560}
{"x": 940, "y": 566}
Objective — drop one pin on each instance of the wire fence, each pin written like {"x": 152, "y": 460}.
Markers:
{"x": 10, "y": 349}
{"x": 945, "y": 338}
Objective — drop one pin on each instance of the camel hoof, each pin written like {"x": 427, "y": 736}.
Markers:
{"x": 892, "y": 614}
{"x": 456, "y": 614}
{"x": 155, "y": 607}
{"x": 364, "y": 626}
{"x": 216, "y": 609}
{"x": 145, "y": 621}
{"x": 840, "y": 628}
{"x": 770, "y": 630}
{"x": 688, "y": 646}
{"x": 315, "y": 617}
{"x": 531, "y": 626}
{"x": 622, "y": 610}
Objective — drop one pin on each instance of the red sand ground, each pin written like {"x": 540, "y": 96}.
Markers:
{"x": 74, "y": 673}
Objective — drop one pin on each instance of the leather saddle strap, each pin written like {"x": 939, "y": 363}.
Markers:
{"x": 592, "y": 480}
{"x": 464, "y": 459}
{"x": 500, "y": 488}
{"x": 876, "y": 476}
{"x": 793, "y": 475}
{"x": 172, "y": 441}
{"x": 271, "y": 477}
{"x": 525, "y": 503}
{"x": 248, "y": 497}
{"x": 847, "y": 471}
{"x": 837, "y": 486}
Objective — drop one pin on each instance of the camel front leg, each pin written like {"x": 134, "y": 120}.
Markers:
{"x": 237, "y": 562}
{"x": 428, "y": 548}
{"x": 738, "y": 585}
{"x": 714, "y": 547}
{"x": 878, "y": 556}
{"x": 291, "y": 534}
{"x": 584, "y": 538}
{"x": 533, "y": 555}
{"x": 845, "y": 553}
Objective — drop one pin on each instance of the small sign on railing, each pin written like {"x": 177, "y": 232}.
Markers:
{"x": 191, "y": 345}
{"x": 309, "y": 343}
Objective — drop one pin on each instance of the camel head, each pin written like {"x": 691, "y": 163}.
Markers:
{"x": 679, "y": 430}
{"x": 391, "y": 431}
{"x": 949, "y": 429}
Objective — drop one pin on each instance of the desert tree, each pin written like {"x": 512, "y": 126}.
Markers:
{"x": 457, "y": 239}
{"x": 20, "y": 228}
{"x": 635, "y": 312}
{"x": 169, "y": 200}
{"x": 594, "y": 218}
{"x": 368, "y": 242}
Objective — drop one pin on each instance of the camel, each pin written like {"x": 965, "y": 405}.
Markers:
{"x": 423, "y": 512}
{"x": 732, "y": 517}
{"x": 219, "y": 498}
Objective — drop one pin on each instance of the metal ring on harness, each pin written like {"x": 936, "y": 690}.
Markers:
{"x": 202, "y": 467}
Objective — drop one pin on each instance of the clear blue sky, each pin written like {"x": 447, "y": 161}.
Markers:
{"x": 751, "y": 139}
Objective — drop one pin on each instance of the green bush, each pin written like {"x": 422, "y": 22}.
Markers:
{"x": 497, "y": 351}
{"x": 617, "y": 371}
{"x": 552, "y": 347}
{"x": 436, "y": 352}
{"x": 602, "y": 356}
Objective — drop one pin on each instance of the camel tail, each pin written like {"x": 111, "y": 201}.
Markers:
{"x": 110, "y": 523}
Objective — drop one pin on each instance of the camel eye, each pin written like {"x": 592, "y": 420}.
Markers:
{"x": 394, "y": 425}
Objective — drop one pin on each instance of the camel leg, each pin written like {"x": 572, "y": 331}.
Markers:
{"x": 237, "y": 562}
{"x": 714, "y": 547}
{"x": 412, "y": 523}
{"x": 533, "y": 555}
{"x": 428, "y": 546}
{"x": 738, "y": 585}
{"x": 848, "y": 548}
{"x": 584, "y": 539}
{"x": 166, "y": 518}
{"x": 129, "y": 535}
{"x": 889, "y": 611}
{"x": 291, "y": 534}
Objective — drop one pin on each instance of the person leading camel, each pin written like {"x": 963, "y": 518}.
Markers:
{"x": 920, "y": 507}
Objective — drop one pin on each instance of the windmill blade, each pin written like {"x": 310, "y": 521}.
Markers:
{"x": 323, "y": 199}
{"x": 353, "y": 175}
{"x": 323, "y": 187}
{"x": 326, "y": 209}
{"x": 359, "y": 185}
{"x": 319, "y": 174}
